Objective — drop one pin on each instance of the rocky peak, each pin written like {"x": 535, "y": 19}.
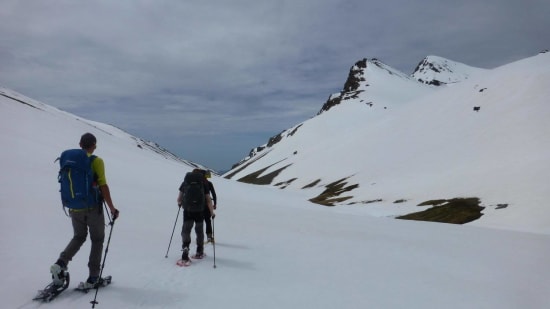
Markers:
{"x": 355, "y": 77}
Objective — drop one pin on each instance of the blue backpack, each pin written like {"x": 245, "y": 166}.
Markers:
{"x": 76, "y": 178}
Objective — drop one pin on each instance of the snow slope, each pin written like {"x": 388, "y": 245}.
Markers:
{"x": 274, "y": 249}
{"x": 431, "y": 145}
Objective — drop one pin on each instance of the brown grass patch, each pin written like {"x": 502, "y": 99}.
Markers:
{"x": 331, "y": 195}
{"x": 454, "y": 211}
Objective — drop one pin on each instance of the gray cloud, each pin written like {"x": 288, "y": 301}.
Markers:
{"x": 234, "y": 73}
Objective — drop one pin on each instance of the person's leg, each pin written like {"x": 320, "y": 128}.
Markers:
{"x": 208, "y": 223}
{"x": 199, "y": 230}
{"x": 80, "y": 233}
{"x": 96, "y": 224}
{"x": 186, "y": 235}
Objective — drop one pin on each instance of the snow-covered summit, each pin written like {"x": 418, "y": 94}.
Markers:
{"x": 371, "y": 81}
{"x": 434, "y": 70}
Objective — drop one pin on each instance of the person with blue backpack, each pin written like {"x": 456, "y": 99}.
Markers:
{"x": 84, "y": 190}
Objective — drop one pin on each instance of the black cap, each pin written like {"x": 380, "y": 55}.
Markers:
{"x": 87, "y": 140}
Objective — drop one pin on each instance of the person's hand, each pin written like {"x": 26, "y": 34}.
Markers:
{"x": 115, "y": 214}
{"x": 213, "y": 215}
{"x": 214, "y": 206}
{"x": 179, "y": 204}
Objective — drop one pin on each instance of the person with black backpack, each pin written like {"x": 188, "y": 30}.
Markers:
{"x": 83, "y": 190}
{"x": 194, "y": 198}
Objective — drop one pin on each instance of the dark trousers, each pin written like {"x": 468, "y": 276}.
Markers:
{"x": 190, "y": 219}
{"x": 83, "y": 221}
{"x": 208, "y": 222}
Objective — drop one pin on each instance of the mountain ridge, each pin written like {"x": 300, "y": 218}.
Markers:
{"x": 429, "y": 71}
{"x": 16, "y": 97}
{"x": 456, "y": 139}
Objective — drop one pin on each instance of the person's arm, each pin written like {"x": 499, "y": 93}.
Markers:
{"x": 209, "y": 204}
{"x": 180, "y": 199}
{"x": 99, "y": 169}
{"x": 180, "y": 194}
{"x": 214, "y": 198}
{"x": 206, "y": 188}
{"x": 106, "y": 193}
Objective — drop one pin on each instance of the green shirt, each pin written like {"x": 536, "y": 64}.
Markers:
{"x": 98, "y": 167}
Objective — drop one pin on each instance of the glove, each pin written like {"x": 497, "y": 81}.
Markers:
{"x": 213, "y": 215}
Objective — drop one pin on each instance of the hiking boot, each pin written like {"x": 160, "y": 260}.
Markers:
{"x": 185, "y": 254}
{"x": 199, "y": 255}
{"x": 91, "y": 283}
{"x": 200, "y": 252}
{"x": 59, "y": 272}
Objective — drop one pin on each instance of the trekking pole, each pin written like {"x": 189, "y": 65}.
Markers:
{"x": 107, "y": 211}
{"x": 179, "y": 208}
{"x": 214, "y": 243}
{"x": 112, "y": 224}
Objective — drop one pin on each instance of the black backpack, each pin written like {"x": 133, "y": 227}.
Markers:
{"x": 194, "y": 199}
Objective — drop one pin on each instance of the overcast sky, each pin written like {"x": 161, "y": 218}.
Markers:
{"x": 211, "y": 79}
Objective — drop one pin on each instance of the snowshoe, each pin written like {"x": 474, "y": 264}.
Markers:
{"x": 183, "y": 263}
{"x": 52, "y": 290}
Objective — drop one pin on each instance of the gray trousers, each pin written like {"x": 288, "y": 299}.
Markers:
{"x": 190, "y": 219}
{"x": 94, "y": 221}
